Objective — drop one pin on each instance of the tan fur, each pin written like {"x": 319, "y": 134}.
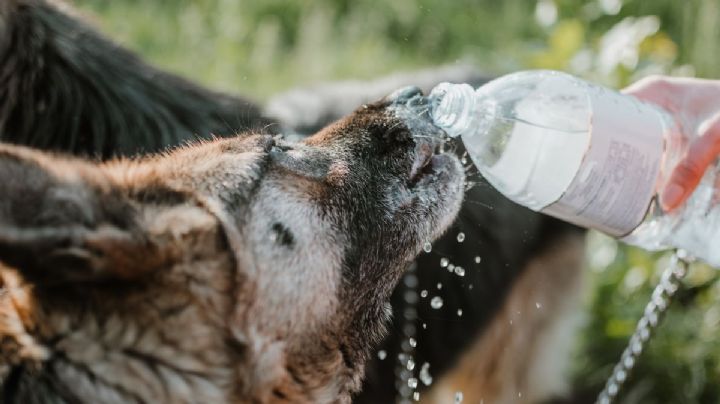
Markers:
{"x": 521, "y": 357}
{"x": 180, "y": 320}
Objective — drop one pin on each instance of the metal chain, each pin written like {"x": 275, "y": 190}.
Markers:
{"x": 661, "y": 298}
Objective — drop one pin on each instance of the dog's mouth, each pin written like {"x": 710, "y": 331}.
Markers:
{"x": 429, "y": 159}
{"x": 435, "y": 180}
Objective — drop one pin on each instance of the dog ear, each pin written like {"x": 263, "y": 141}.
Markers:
{"x": 64, "y": 220}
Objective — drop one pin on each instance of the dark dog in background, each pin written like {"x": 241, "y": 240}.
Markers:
{"x": 63, "y": 87}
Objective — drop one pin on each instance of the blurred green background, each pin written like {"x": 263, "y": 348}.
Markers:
{"x": 265, "y": 46}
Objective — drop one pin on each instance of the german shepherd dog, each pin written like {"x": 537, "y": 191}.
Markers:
{"x": 251, "y": 268}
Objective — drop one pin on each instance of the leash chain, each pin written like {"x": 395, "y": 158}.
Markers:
{"x": 662, "y": 295}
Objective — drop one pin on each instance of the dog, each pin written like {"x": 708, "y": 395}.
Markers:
{"x": 509, "y": 343}
{"x": 239, "y": 270}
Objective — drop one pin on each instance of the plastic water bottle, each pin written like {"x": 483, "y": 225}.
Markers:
{"x": 582, "y": 153}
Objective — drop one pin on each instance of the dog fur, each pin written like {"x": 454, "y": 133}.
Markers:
{"x": 55, "y": 66}
{"x": 49, "y": 62}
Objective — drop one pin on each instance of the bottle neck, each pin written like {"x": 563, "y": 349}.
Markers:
{"x": 453, "y": 108}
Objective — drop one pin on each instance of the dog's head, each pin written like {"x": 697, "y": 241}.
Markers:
{"x": 239, "y": 269}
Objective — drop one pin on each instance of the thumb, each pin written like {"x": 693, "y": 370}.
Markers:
{"x": 687, "y": 174}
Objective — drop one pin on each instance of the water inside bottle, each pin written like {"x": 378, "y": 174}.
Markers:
{"x": 527, "y": 138}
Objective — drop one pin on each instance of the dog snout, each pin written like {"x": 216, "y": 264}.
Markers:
{"x": 405, "y": 95}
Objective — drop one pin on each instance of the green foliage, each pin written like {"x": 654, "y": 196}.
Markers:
{"x": 681, "y": 362}
{"x": 264, "y": 46}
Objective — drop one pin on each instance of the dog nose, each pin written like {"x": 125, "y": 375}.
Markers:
{"x": 404, "y": 94}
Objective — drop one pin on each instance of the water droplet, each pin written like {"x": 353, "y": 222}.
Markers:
{"x": 412, "y": 383}
{"x": 458, "y": 397}
{"x": 436, "y": 302}
{"x": 538, "y": 305}
{"x": 461, "y": 237}
{"x": 459, "y": 312}
{"x": 410, "y": 365}
{"x": 478, "y": 259}
{"x": 423, "y": 293}
{"x": 451, "y": 268}
{"x": 427, "y": 247}
{"x": 444, "y": 262}
{"x": 629, "y": 362}
{"x": 425, "y": 376}
{"x": 382, "y": 355}
{"x": 463, "y": 160}
{"x": 439, "y": 285}
{"x": 424, "y": 326}
{"x": 413, "y": 342}
{"x": 416, "y": 396}
{"x": 459, "y": 271}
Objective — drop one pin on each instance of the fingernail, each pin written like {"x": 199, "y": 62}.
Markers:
{"x": 672, "y": 196}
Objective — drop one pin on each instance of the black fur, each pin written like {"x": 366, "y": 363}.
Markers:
{"x": 64, "y": 87}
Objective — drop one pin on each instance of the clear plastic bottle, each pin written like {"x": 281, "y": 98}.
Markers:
{"x": 583, "y": 153}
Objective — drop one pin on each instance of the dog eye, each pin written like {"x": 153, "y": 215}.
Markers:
{"x": 283, "y": 235}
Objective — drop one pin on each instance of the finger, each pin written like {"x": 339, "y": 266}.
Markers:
{"x": 656, "y": 90}
{"x": 688, "y": 173}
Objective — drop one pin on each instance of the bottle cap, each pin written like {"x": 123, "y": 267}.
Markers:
{"x": 452, "y": 107}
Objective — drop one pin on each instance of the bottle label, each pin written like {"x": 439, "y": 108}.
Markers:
{"x": 617, "y": 178}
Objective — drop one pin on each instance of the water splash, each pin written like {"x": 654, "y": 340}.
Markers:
{"x": 405, "y": 361}
{"x": 425, "y": 376}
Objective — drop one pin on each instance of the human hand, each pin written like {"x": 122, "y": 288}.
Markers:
{"x": 695, "y": 104}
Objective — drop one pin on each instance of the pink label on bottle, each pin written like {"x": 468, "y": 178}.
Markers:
{"x": 617, "y": 178}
